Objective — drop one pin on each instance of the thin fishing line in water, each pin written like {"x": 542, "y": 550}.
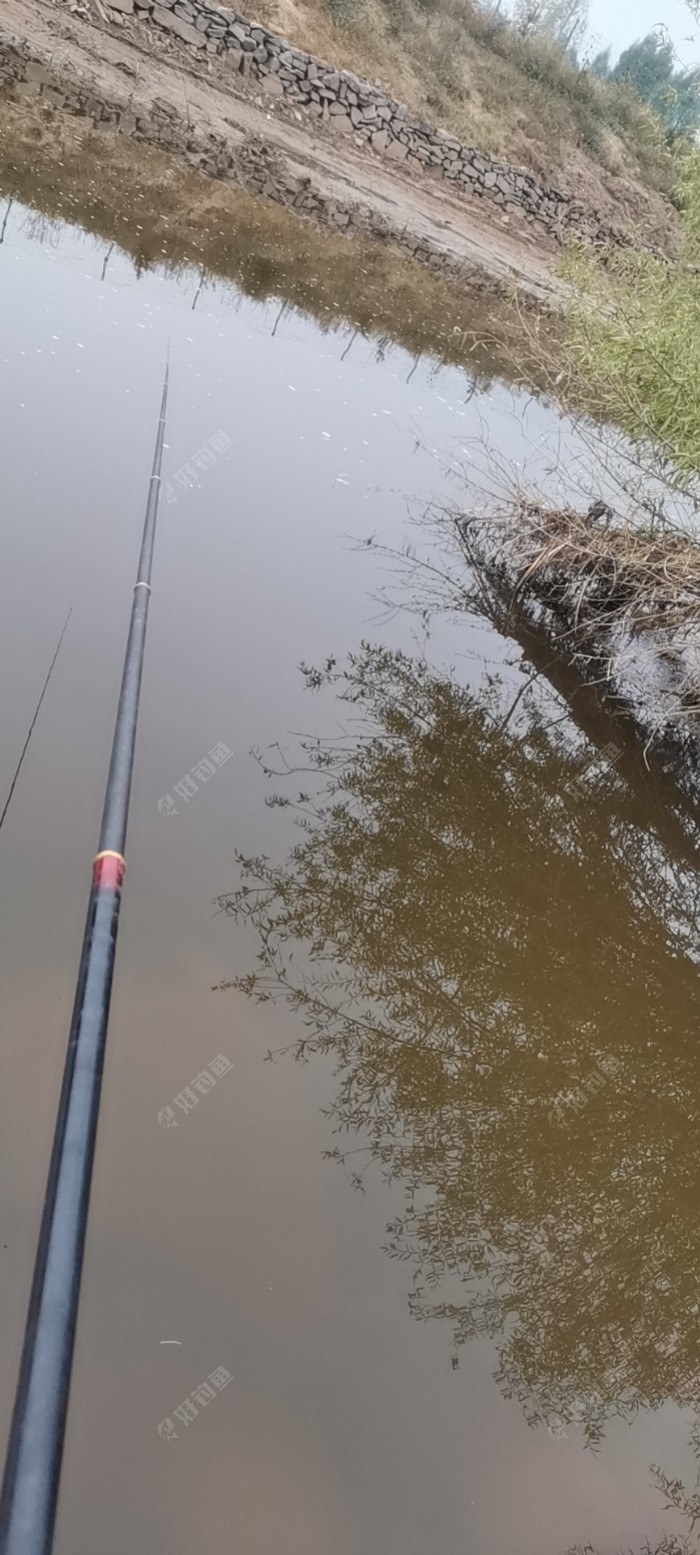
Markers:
{"x": 36, "y": 715}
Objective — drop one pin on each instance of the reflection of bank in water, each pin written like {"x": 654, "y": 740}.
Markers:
{"x": 174, "y": 223}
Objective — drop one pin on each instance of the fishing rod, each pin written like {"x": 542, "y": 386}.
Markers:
{"x": 45, "y": 688}
{"x": 33, "y": 1463}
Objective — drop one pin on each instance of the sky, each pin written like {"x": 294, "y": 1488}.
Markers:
{"x": 621, "y": 21}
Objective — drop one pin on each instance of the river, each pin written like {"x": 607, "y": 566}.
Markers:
{"x": 487, "y": 946}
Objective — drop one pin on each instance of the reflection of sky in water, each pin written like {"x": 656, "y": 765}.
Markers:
{"x": 345, "y": 1428}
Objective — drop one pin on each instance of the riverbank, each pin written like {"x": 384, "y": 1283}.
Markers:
{"x": 150, "y": 91}
{"x": 465, "y": 271}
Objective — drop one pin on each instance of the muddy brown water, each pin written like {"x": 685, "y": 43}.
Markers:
{"x": 488, "y": 1346}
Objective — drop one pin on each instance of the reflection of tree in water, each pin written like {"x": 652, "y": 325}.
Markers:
{"x": 42, "y": 229}
{"x": 678, "y": 1499}
{"x": 501, "y": 963}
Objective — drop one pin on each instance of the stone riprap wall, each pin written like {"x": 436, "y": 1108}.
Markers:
{"x": 26, "y": 71}
{"x": 352, "y": 106}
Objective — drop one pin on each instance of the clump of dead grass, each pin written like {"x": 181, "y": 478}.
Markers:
{"x": 603, "y": 574}
{"x": 605, "y": 587}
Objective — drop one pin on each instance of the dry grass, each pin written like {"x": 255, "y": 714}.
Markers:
{"x": 604, "y": 575}
{"x": 452, "y": 63}
{"x": 606, "y": 588}
{"x": 162, "y": 214}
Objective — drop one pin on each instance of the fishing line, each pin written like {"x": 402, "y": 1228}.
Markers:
{"x": 36, "y": 715}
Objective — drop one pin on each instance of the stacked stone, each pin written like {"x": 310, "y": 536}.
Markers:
{"x": 247, "y": 166}
{"x": 355, "y": 107}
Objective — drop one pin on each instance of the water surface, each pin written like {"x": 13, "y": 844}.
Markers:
{"x": 428, "y": 1363}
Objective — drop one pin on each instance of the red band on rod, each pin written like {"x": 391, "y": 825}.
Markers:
{"x": 108, "y": 871}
